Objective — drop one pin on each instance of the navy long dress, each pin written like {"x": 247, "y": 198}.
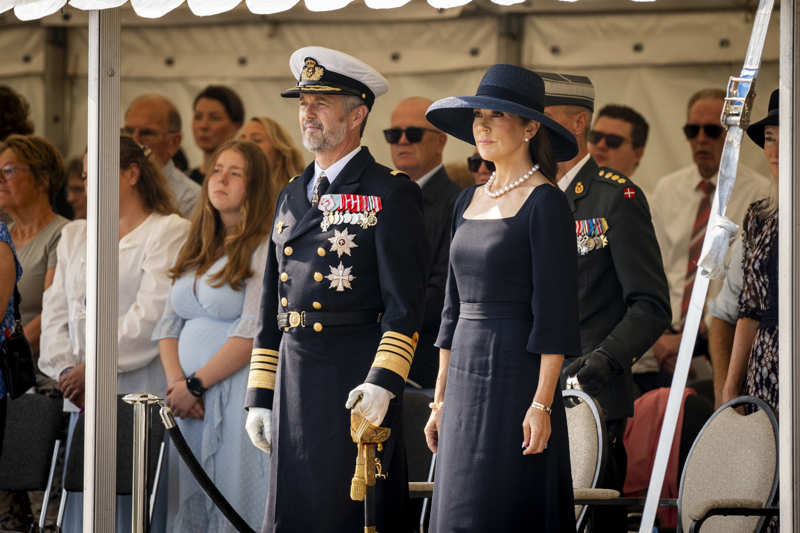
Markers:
{"x": 511, "y": 295}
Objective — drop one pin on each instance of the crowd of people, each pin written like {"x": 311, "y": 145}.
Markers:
{"x": 306, "y": 291}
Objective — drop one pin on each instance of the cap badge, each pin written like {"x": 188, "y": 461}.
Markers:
{"x": 312, "y": 71}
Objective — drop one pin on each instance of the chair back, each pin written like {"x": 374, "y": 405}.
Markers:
{"x": 734, "y": 456}
{"x": 33, "y": 424}
{"x": 415, "y": 415}
{"x": 586, "y": 442}
{"x": 73, "y": 478}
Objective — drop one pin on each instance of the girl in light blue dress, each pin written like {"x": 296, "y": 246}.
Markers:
{"x": 206, "y": 335}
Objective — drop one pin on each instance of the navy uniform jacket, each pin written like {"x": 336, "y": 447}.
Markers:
{"x": 304, "y": 373}
{"x": 439, "y": 195}
{"x": 623, "y": 297}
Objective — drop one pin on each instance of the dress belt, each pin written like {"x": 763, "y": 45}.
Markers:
{"x": 491, "y": 310}
{"x": 303, "y": 319}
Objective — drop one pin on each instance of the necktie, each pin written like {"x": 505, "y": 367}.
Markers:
{"x": 696, "y": 244}
{"x": 320, "y": 186}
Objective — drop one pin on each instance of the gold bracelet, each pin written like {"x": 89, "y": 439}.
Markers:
{"x": 435, "y": 405}
{"x": 541, "y": 407}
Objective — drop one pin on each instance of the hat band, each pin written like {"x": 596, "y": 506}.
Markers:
{"x": 503, "y": 93}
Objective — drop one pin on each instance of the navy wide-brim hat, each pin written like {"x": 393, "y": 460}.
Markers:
{"x": 756, "y": 130}
{"x": 510, "y": 89}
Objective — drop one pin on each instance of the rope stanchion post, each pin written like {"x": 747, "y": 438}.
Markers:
{"x": 141, "y": 402}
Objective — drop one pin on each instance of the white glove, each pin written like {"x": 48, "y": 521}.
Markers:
{"x": 259, "y": 428}
{"x": 370, "y": 401}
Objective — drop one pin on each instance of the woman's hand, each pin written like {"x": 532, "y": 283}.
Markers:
{"x": 73, "y": 384}
{"x": 182, "y": 402}
{"x": 432, "y": 430}
{"x": 535, "y": 431}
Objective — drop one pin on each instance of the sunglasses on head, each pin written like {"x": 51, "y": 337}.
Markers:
{"x": 475, "y": 161}
{"x": 712, "y": 131}
{"x": 413, "y": 134}
{"x": 612, "y": 140}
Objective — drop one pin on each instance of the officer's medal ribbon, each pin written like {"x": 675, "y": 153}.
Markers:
{"x": 355, "y": 209}
{"x": 591, "y": 234}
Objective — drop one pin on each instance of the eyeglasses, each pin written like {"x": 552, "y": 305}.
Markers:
{"x": 144, "y": 135}
{"x": 612, "y": 140}
{"x": 475, "y": 161}
{"x": 712, "y": 131}
{"x": 413, "y": 134}
{"x": 8, "y": 172}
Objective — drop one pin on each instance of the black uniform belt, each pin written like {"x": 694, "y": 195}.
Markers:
{"x": 302, "y": 319}
{"x": 491, "y": 310}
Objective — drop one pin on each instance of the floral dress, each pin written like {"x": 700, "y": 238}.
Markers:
{"x": 759, "y": 299}
{"x": 8, "y": 317}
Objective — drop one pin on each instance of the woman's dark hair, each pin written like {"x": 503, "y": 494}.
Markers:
{"x": 152, "y": 186}
{"x": 14, "y": 110}
{"x": 227, "y": 97}
{"x": 542, "y": 153}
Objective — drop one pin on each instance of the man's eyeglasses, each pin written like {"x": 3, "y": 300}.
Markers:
{"x": 413, "y": 134}
{"x": 712, "y": 131}
{"x": 7, "y": 172}
{"x": 475, "y": 161}
{"x": 145, "y": 136}
{"x": 612, "y": 140}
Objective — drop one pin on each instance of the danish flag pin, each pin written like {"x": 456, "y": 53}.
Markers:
{"x": 629, "y": 192}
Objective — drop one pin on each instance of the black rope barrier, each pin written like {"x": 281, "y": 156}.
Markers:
{"x": 199, "y": 474}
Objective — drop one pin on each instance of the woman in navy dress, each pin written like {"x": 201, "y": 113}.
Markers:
{"x": 497, "y": 421}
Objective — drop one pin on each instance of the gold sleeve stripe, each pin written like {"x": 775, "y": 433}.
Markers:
{"x": 411, "y": 341}
{"x": 263, "y": 359}
{"x": 398, "y": 353}
{"x": 388, "y": 343}
{"x": 392, "y": 362}
{"x": 259, "y": 379}
{"x": 269, "y": 367}
{"x": 264, "y": 351}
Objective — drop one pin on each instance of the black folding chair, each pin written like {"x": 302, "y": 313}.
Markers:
{"x": 32, "y": 439}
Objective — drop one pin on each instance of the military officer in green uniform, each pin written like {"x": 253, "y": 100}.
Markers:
{"x": 623, "y": 298}
{"x": 341, "y": 309}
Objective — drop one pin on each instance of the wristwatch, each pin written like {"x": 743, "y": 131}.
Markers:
{"x": 195, "y": 386}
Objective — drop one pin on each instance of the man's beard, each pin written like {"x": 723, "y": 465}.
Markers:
{"x": 323, "y": 140}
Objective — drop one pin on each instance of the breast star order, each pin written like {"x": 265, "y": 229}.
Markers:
{"x": 342, "y": 242}
{"x": 340, "y": 277}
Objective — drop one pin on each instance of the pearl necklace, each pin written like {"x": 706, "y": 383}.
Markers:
{"x": 513, "y": 185}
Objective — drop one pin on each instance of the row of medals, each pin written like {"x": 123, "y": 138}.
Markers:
{"x": 364, "y": 219}
{"x": 586, "y": 243}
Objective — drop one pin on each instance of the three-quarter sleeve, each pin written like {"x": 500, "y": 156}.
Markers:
{"x": 554, "y": 269}
{"x": 246, "y": 325}
{"x": 452, "y": 303}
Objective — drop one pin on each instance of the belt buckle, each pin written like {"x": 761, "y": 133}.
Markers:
{"x": 294, "y": 319}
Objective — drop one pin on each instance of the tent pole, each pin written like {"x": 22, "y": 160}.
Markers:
{"x": 789, "y": 255}
{"x": 99, "y": 474}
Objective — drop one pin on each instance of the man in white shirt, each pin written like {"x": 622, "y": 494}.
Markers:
{"x": 154, "y": 121}
{"x": 417, "y": 147}
{"x": 680, "y": 204}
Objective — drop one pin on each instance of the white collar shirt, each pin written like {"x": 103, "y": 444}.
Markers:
{"x": 428, "y": 175}
{"x": 332, "y": 172}
{"x": 567, "y": 178}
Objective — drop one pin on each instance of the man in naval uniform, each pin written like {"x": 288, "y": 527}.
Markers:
{"x": 341, "y": 309}
{"x": 623, "y": 299}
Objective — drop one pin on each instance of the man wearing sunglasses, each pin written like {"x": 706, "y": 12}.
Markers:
{"x": 623, "y": 302}
{"x": 681, "y": 206}
{"x": 416, "y": 148}
{"x": 617, "y": 138}
{"x": 153, "y": 121}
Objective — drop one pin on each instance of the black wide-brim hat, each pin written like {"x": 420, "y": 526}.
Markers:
{"x": 756, "y": 130}
{"x": 510, "y": 89}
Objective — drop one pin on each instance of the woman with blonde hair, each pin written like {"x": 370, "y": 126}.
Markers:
{"x": 149, "y": 236}
{"x": 206, "y": 335}
{"x": 285, "y": 160}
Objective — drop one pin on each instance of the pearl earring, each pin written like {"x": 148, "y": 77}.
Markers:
{"x": 525, "y": 139}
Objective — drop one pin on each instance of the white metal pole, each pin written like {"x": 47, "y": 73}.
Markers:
{"x": 788, "y": 255}
{"x": 100, "y": 457}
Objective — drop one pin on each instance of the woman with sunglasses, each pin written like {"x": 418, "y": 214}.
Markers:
{"x": 507, "y": 323}
{"x": 754, "y": 357}
{"x": 480, "y": 168}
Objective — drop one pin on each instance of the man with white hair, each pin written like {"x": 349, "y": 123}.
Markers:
{"x": 345, "y": 282}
